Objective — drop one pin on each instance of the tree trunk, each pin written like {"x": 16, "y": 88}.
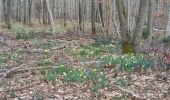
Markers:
{"x": 101, "y": 12}
{"x": 54, "y": 9}
{"x": 127, "y": 45}
{"x": 51, "y": 17}
{"x": 25, "y": 11}
{"x": 30, "y": 12}
{"x": 5, "y": 10}
{"x": 130, "y": 45}
{"x": 20, "y": 10}
{"x": 139, "y": 24}
{"x": 150, "y": 17}
{"x": 123, "y": 24}
{"x": 93, "y": 17}
{"x": 17, "y": 10}
{"x": 80, "y": 16}
{"x": 65, "y": 13}
{"x": 108, "y": 19}
{"x": 44, "y": 12}
{"x": 8, "y": 14}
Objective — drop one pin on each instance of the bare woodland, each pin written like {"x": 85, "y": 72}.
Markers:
{"x": 84, "y": 49}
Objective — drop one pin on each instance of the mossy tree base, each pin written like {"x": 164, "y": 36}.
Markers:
{"x": 128, "y": 47}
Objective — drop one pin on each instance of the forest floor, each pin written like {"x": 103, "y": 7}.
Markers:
{"x": 26, "y": 67}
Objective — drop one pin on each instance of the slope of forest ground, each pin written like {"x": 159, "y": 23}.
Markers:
{"x": 73, "y": 66}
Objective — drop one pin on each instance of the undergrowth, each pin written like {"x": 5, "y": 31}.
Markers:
{"x": 128, "y": 62}
{"x": 69, "y": 74}
{"x": 23, "y": 33}
{"x": 145, "y": 33}
{"x": 103, "y": 56}
{"x": 166, "y": 39}
{"x": 14, "y": 57}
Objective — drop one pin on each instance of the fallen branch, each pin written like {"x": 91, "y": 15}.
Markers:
{"x": 17, "y": 70}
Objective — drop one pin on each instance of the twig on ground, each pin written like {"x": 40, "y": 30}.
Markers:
{"x": 18, "y": 69}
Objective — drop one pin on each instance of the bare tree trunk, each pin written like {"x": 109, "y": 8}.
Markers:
{"x": 150, "y": 17}
{"x": 123, "y": 24}
{"x": 65, "y": 13}
{"x": 101, "y": 12}
{"x": 139, "y": 24}
{"x": 80, "y": 16}
{"x": 39, "y": 11}
{"x": 5, "y": 10}
{"x": 127, "y": 45}
{"x": 130, "y": 45}
{"x": 29, "y": 12}
{"x": 93, "y": 17}
{"x": 17, "y": 10}
{"x": 44, "y": 12}
{"x": 53, "y": 9}
{"x": 8, "y": 14}
{"x": 51, "y": 17}
{"x": 25, "y": 11}
{"x": 20, "y": 10}
{"x": 108, "y": 19}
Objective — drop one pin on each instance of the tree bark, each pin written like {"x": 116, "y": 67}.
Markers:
{"x": 101, "y": 12}
{"x": 8, "y": 14}
{"x": 139, "y": 24}
{"x": 150, "y": 17}
{"x": 127, "y": 44}
{"x": 25, "y": 11}
{"x": 20, "y": 11}
{"x": 44, "y": 12}
{"x": 51, "y": 17}
{"x": 30, "y": 12}
{"x": 93, "y": 17}
{"x": 131, "y": 45}
{"x": 5, "y": 10}
{"x": 123, "y": 24}
{"x": 80, "y": 16}
{"x": 65, "y": 13}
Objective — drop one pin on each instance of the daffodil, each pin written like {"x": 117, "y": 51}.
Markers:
{"x": 64, "y": 73}
{"x": 46, "y": 50}
{"x": 95, "y": 70}
{"x": 62, "y": 65}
